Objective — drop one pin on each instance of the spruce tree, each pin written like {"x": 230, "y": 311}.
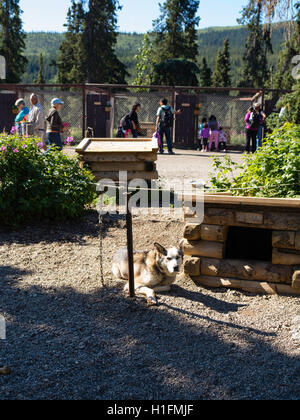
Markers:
{"x": 221, "y": 75}
{"x": 40, "y": 79}
{"x": 87, "y": 53}
{"x": 255, "y": 69}
{"x": 205, "y": 74}
{"x": 12, "y": 40}
{"x": 176, "y": 34}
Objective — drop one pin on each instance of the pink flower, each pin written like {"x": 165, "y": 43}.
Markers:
{"x": 70, "y": 140}
{"x": 3, "y": 149}
{"x": 40, "y": 145}
{"x": 13, "y": 129}
{"x": 24, "y": 146}
{"x": 66, "y": 125}
{"x": 16, "y": 151}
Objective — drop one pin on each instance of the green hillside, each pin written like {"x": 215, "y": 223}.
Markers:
{"x": 210, "y": 40}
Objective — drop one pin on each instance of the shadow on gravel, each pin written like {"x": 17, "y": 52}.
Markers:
{"x": 67, "y": 345}
{"x": 209, "y": 301}
{"x": 50, "y": 232}
{"x": 8, "y": 273}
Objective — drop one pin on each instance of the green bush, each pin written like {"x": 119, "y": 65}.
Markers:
{"x": 273, "y": 171}
{"x": 38, "y": 186}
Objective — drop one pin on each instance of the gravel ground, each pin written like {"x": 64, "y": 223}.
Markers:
{"x": 69, "y": 338}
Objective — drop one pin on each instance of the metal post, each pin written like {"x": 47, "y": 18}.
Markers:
{"x": 83, "y": 111}
{"x": 130, "y": 247}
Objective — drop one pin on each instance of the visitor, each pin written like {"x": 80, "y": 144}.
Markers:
{"x": 37, "y": 119}
{"x": 164, "y": 123}
{"x": 55, "y": 125}
{"x": 214, "y": 127}
{"x": 200, "y": 127}
{"x": 134, "y": 120}
{"x": 260, "y": 131}
{"x": 22, "y": 115}
{"x": 223, "y": 140}
{"x": 252, "y": 120}
{"x": 205, "y": 133}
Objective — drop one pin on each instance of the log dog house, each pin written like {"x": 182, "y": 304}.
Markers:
{"x": 246, "y": 243}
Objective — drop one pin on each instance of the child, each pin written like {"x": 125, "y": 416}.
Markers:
{"x": 200, "y": 147}
{"x": 205, "y": 132}
{"x": 222, "y": 140}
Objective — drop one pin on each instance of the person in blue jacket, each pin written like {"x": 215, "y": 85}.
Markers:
{"x": 23, "y": 113}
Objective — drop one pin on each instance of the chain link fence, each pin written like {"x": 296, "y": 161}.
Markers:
{"x": 81, "y": 110}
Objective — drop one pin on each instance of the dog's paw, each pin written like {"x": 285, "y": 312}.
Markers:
{"x": 152, "y": 301}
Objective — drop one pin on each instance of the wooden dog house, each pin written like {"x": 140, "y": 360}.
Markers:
{"x": 246, "y": 243}
{"x": 107, "y": 157}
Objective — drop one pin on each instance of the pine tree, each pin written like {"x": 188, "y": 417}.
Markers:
{"x": 12, "y": 40}
{"x": 205, "y": 74}
{"x": 258, "y": 45}
{"x": 221, "y": 75}
{"x": 40, "y": 79}
{"x": 87, "y": 53}
{"x": 176, "y": 34}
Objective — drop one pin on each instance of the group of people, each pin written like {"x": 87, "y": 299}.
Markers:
{"x": 255, "y": 120}
{"x": 164, "y": 122}
{"x": 49, "y": 128}
{"x": 210, "y": 132}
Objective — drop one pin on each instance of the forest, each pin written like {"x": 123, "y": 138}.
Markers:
{"x": 210, "y": 40}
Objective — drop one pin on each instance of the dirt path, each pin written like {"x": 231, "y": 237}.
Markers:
{"x": 68, "y": 338}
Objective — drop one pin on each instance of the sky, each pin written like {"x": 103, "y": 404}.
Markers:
{"x": 136, "y": 15}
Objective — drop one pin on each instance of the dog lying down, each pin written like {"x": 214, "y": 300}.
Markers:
{"x": 154, "y": 271}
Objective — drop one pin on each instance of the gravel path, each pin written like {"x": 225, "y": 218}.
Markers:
{"x": 69, "y": 338}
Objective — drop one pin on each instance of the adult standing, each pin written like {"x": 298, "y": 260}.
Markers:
{"x": 55, "y": 124}
{"x": 164, "y": 123}
{"x": 214, "y": 128}
{"x": 37, "y": 119}
{"x": 260, "y": 131}
{"x": 252, "y": 120}
{"x": 134, "y": 120}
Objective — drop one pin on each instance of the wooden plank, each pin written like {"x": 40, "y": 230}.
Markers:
{"x": 247, "y": 270}
{"x": 203, "y": 249}
{"x": 285, "y": 257}
{"x": 283, "y": 239}
{"x": 272, "y": 220}
{"x": 148, "y": 176}
{"x": 119, "y": 166}
{"x": 118, "y": 147}
{"x": 115, "y": 139}
{"x": 247, "y": 286}
{"x": 248, "y": 201}
{"x": 121, "y": 157}
{"x": 192, "y": 232}
{"x": 82, "y": 146}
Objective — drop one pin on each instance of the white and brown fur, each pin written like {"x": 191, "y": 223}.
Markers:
{"x": 154, "y": 271}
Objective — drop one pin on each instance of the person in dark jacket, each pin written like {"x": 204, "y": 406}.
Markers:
{"x": 55, "y": 124}
{"x": 134, "y": 120}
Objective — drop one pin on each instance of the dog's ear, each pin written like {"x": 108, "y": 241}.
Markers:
{"x": 161, "y": 249}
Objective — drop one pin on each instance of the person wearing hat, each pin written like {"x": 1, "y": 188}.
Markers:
{"x": 23, "y": 113}
{"x": 37, "y": 119}
{"x": 55, "y": 124}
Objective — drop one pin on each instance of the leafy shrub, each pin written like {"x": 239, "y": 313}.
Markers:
{"x": 38, "y": 186}
{"x": 273, "y": 171}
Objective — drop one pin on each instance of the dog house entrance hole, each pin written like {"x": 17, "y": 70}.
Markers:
{"x": 249, "y": 244}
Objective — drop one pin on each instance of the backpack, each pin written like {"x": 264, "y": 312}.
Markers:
{"x": 213, "y": 125}
{"x": 125, "y": 122}
{"x": 167, "y": 117}
{"x": 255, "y": 121}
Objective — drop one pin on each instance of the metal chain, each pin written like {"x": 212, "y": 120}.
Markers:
{"x": 101, "y": 248}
